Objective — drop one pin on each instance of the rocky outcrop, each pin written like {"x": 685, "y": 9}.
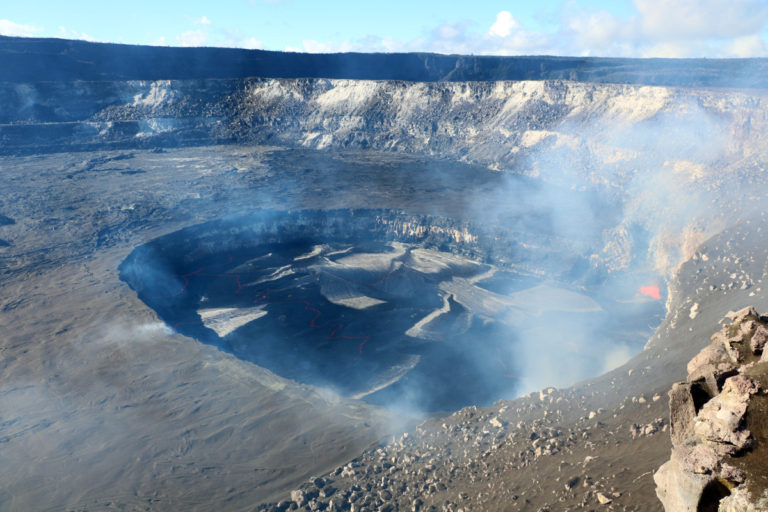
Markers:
{"x": 712, "y": 418}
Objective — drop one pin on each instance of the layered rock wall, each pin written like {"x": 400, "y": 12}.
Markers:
{"x": 672, "y": 158}
{"x": 489, "y": 123}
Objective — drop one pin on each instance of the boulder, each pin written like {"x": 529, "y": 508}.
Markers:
{"x": 682, "y": 412}
{"x": 737, "y": 316}
{"x": 720, "y": 421}
{"x": 713, "y": 376}
{"x": 732, "y": 474}
{"x": 679, "y": 490}
{"x": 746, "y": 327}
{"x": 298, "y": 497}
{"x": 759, "y": 338}
{"x": 698, "y": 458}
{"x": 713, "y": 355}
{"x": 740, "y": 500}
{"x": 603, "y": 499}
{"x": 731, "y": 344}
{"x": 714, "y": 363}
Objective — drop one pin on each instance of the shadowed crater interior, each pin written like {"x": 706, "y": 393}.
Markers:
{"x": 397, "y": 309}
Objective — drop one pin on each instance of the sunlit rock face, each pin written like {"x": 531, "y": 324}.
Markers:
{"x": 405, "y": 311}
{"x": 673, "y": 157}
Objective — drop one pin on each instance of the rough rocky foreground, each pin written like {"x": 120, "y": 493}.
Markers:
{"x": 480, "y": 459}
{"x": 719, "y": 425}
{"x": 555, "y": 459}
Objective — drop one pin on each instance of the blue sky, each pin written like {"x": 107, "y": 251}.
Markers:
{"x": 632, "y": 28}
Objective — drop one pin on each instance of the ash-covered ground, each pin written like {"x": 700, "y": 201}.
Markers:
{"x": 95, "y": 380}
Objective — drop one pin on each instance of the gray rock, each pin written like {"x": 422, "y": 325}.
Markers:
{"x": 679, "y": 490}
{"x": 712, "y": 354}
{"x": 720, "y": 420}
{"x": 759, "y": 338}
{"x": 299, "y": 497}
{"x": 731, "y": 344}
{"x": 732, "y": 474}
{"x": 740, "y": 500}
{"x": 737, "y": 316}
{"x": 713, "y": 376}
{"x": 603, "y": 499}
{"x": 699, "y": 458}
{"x": 682, "y": 413}
{"x": 747, "y": 327}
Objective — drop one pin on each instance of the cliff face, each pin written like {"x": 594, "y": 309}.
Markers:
{"x": 490, "y": 123}
{"x": 665, "y": 155}
{"x": 649, "y": 135}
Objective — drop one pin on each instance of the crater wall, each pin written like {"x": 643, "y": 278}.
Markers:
{"x": 674, "y": 158}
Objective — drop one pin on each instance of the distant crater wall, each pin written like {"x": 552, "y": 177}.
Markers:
{"x": 675, "y": 157}
{"x": 497, "y": 124}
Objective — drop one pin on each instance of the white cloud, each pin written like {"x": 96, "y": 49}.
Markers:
{"x": 312, "y": 46}
{"x": 598, "y": 30}
{"x": 219, "y": 37}
{"x": 447, "y": 38}
{"x": 449, "y": 31}
{"x": 656, "y": 28}
{"x": 748, "y": 46}
{"x": 667, "y": 28}
{"x": 160, "y": 41}
{"x": 701, "y": 19}
{"x": 669, "y": 50}
{"x": 9, "y": 28}
{"x": 389, "y": 44}
{"x": 193, "y": 38}
{"x": 251, "y": 44}
{"x": 505, "y": 24}
{"x": 74, "y": 34}
{"x": 520, "y": 43}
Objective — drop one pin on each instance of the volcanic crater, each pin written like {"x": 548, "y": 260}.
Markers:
{"x": 557, "y": 211}
{"x": 401, "y": 310}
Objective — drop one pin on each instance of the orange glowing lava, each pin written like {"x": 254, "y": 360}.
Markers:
{"x": 651, "y": 291}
